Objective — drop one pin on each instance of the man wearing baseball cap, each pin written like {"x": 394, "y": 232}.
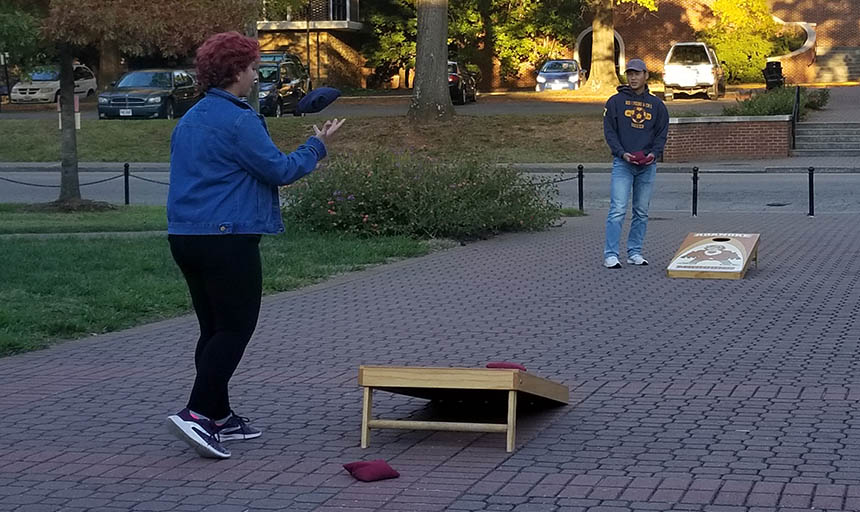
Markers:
{"x": 635, "y": 125}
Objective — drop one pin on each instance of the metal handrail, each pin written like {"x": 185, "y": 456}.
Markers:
{"x": 795, "y": 115}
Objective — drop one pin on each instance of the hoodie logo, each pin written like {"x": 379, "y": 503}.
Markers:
{"x": 638, "y": 115}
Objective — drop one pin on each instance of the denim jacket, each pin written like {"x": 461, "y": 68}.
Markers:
{"x": 225, "y": 170}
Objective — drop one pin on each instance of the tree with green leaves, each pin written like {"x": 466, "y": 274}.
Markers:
{"x": 603, "y": 76}
{"x": 479, "y": 32}
{"x": 19, "y": 36}
{"x": 163, "y": 25}
{"x": 744, "y": 35}
{"x": 394, "y": 32}
{"x": 528, "y": 31}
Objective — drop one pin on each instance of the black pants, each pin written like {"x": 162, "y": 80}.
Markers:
{"x": 225, "y": 278}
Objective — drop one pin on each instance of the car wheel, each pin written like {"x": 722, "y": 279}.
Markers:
{"x": 168, "y": 110}
{"x": 279, "y": 110}
{"x": 714, "y": 92}
{"x": 668, "y": 94}
{"x": 57, "y": 97}
{"x": 91, "y": 93}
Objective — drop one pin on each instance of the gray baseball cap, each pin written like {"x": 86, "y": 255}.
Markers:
{"x": 636, "y": 65}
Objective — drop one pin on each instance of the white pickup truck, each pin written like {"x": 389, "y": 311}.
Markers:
{"x": 693, "y": 68}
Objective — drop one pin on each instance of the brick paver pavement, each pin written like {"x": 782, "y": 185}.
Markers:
{"x": 686, "y": 394}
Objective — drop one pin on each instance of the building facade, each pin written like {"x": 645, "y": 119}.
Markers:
{"x": 326, "y": 36}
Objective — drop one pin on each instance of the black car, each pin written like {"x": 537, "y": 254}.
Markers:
{"x": 462, "y": 84}
{"x": 283, "y": 81}
{"x": 148, "y": 94}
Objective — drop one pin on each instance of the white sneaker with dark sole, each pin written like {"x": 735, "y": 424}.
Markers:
{"x": 199, "y": 433}
{"x": 612, "y": 262}
{"x": 637, "y": 259}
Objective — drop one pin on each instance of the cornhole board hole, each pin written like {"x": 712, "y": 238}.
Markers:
{"x": 715, "y": 256}
{"x": 443, "y": 383}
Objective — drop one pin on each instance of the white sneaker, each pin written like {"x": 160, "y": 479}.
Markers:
{"x": 637, "y": 259}
{"x": 612, "y": 262}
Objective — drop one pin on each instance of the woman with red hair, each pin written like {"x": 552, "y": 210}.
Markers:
{"x": 224, "y": 177}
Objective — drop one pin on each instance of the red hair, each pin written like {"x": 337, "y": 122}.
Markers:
{"x": 221, "y": 57}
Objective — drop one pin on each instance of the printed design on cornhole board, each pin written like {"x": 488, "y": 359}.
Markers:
{"x": 717, "y": 254}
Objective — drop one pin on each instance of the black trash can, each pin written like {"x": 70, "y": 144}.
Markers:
{"x": 773, "y": 75}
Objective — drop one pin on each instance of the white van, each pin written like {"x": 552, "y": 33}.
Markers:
{"x": 692, "y": 68}
{"x": 43, "y": 85}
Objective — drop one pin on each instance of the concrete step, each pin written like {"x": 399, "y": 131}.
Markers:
{"x": 838, "y": 63}
{"x": 827, "y": 145}
{"x": 833, "y": 153}
{"x": 830, "y": 130}
{"x": 836, "y": 139}
{"x": 821, "y": 143}
{"x": 830, "y": 135}
{"x": 813, "y": 124}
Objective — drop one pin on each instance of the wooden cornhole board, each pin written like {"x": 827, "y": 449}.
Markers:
{"x": 439, "y": 383}
{"x": 715, "y": 256}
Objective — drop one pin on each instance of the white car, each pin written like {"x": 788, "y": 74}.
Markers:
{"x": 44, "y": 85}
{"x": 693, "y": 68}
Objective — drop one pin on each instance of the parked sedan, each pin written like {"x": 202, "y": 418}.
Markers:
{"x": 148, "y": 94}
{"x": 558, "y": 75}
{"x": 462, "y": 84}
{"x": 282, "y": 85}
{"x": 43, "y": 85}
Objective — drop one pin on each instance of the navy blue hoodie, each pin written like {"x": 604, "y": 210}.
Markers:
{"x": 634, "y": 122}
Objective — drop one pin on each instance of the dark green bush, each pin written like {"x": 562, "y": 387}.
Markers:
{"x": 779, "y": 101}
{"x": 404, "y": 195}
{"x": 791, "y": 38}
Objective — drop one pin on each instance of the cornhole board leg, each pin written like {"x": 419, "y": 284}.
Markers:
{"x": 420, "y": 382}
{"x": 366, "y": 411}
{"x": 512, "y": 421}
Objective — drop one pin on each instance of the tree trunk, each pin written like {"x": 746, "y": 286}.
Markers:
{"x": 603, "y": 76}
{"x": 109, "y": 63}
{"x": 430, "y": 98}
{"x": 70, "y": 188}
{"x": 254, "y": 94}
{"x": 487, "y": 51}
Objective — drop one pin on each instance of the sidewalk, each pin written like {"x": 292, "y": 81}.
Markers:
{"x": 708, "y": 396}
{"x": 782, "y": 165}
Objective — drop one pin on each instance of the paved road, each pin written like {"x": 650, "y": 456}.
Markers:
{"x": 397, "y": 106}
{"x": 835, "y": 193}
{"x": 702, "y": 396}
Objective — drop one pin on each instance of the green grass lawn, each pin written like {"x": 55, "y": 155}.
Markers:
{"x": 16, "y": 218}
{"x": 71, "y": 287}
{"x": 508, "y": 138}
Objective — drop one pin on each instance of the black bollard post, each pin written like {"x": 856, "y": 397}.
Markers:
{"x": 812, "y": 192}
{"x": 125, "y": 176}
{"x": 579, "y": 177}
{"x": 695, "y": 191}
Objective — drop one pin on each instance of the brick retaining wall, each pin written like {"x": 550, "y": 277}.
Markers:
{"x": 724, "y": 138}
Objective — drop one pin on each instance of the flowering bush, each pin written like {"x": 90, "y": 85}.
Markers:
{"x": 403, "y": 195}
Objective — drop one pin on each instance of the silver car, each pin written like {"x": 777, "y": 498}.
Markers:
{"x": 558, "y": 75}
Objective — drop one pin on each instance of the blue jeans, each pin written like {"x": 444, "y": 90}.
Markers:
{"x": 627, "y": 176}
